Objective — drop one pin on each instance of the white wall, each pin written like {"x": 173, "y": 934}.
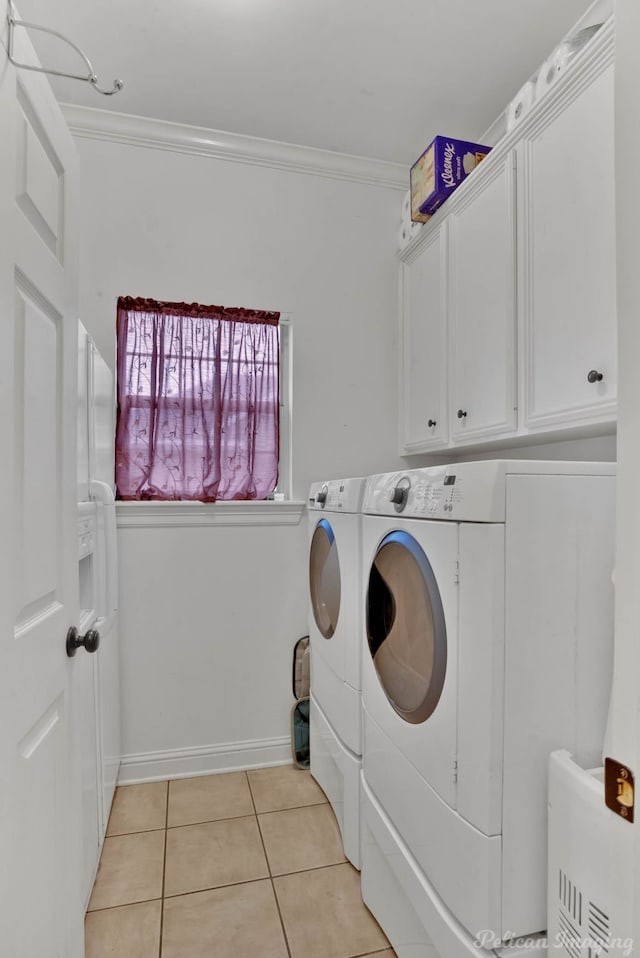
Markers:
{"x": 209, "y": 616}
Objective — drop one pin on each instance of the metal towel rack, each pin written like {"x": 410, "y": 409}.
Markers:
{"x": 90, "y": 78}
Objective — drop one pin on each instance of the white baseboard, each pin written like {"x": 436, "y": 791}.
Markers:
{"x": 203, "y": 760}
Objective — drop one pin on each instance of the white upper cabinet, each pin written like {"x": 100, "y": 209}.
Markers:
{"x": 568, "y": 266}
{"x": 508, "y": 296}
{"x": 423, "y": 372}
{"x": 482, "y": 303}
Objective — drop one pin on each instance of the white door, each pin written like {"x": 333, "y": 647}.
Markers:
{"x": 423, "y": 375}
{"x": 568, "y": 255}
{"x": 40, "y": 830}
{"x": 482, "y": 302}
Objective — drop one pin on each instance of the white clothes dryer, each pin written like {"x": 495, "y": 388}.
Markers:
{"x": 487, "y": 644}
{"x": 335, "y": 603}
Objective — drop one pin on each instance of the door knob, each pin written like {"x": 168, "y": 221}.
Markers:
{"x": 90, "y": 640}
{"x": 462, "y": 413}
{"x": 593, "y": 376}
{"x": 432, "y": 423}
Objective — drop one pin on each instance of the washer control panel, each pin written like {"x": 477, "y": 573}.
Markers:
{"x": 439, "y": 496}
{"x": 464, "y": 492}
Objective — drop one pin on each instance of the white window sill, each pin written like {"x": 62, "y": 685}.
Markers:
{"x": 152, "y": 515}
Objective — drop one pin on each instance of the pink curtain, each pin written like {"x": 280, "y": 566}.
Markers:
{"x": 198, "y": 401}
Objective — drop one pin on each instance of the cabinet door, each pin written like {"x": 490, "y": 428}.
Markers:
{"x": 568, "y": 260}
{"x": 423, "y": 373}
{"x": 483, "y": 306}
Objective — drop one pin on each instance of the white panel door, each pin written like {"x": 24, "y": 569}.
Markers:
{"x": 423, "y": 373}
{"x": 482, "y": 301}
{"x": 40, "y": 830}
{"x": 568, "y": 253}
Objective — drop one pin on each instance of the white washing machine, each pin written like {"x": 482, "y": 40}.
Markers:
{"x": 487, "y": 644}
{"x": 335, "y": 603}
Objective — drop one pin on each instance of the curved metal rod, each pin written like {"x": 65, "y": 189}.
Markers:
{"x": 90, "y": 78}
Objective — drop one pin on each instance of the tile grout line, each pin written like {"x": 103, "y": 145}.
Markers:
{"x": 314, "y": 868}
{"x": 292, "y": 808}
{"x": 212, "y": 821}
{"x": 164, "y": 868}
{"x": 250, "y": 881}
{"x": 126, "y": 904}
{"x": 138, "y": 831}
{"x": 201, "y": 891}
{"x": 372, "y": 954}
{"x": 273, "y": 887}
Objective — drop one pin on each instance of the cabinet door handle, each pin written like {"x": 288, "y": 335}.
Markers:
{"x": 432, "y": 423}
{"x": 593, "y": 376}
{"x": 462, "y": 413}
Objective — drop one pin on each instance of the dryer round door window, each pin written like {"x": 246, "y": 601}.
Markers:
{"x": 406, "y": 628}
{"x": 324, "y": 578}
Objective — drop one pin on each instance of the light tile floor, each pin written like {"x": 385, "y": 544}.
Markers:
{"x": 241, "y": 865}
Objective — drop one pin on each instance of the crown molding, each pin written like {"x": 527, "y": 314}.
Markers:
{"x": 94, "y": 124}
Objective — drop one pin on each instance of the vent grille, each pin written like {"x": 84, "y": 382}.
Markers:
{"x": 569, "y": 936}
{"x": 599, "y": 928}
{"x": 591, "y": 939}
{"x": 571, "y": 898}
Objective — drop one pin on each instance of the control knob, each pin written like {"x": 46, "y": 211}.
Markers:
{"x": 398, "y": 495}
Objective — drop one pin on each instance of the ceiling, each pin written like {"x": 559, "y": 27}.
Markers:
{"x": 376, "y": 78}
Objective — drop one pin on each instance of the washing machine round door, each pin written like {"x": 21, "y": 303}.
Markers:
{"x": 406, "y": 628}
{"x": 324, "y": 578}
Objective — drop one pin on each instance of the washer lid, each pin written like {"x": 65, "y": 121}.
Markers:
{"x": 406, "y": 629}
{"x": 324, "y": 578}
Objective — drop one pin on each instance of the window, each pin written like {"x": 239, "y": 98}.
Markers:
{"x": 198, "y": 401}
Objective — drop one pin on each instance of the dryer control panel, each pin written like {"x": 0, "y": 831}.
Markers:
{"x": 336, "y": 495}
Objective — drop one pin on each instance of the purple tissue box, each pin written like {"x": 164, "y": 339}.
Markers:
{"x": 439, "y": 171}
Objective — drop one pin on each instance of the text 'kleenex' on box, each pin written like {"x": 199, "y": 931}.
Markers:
{"x": 439, "y": 171}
